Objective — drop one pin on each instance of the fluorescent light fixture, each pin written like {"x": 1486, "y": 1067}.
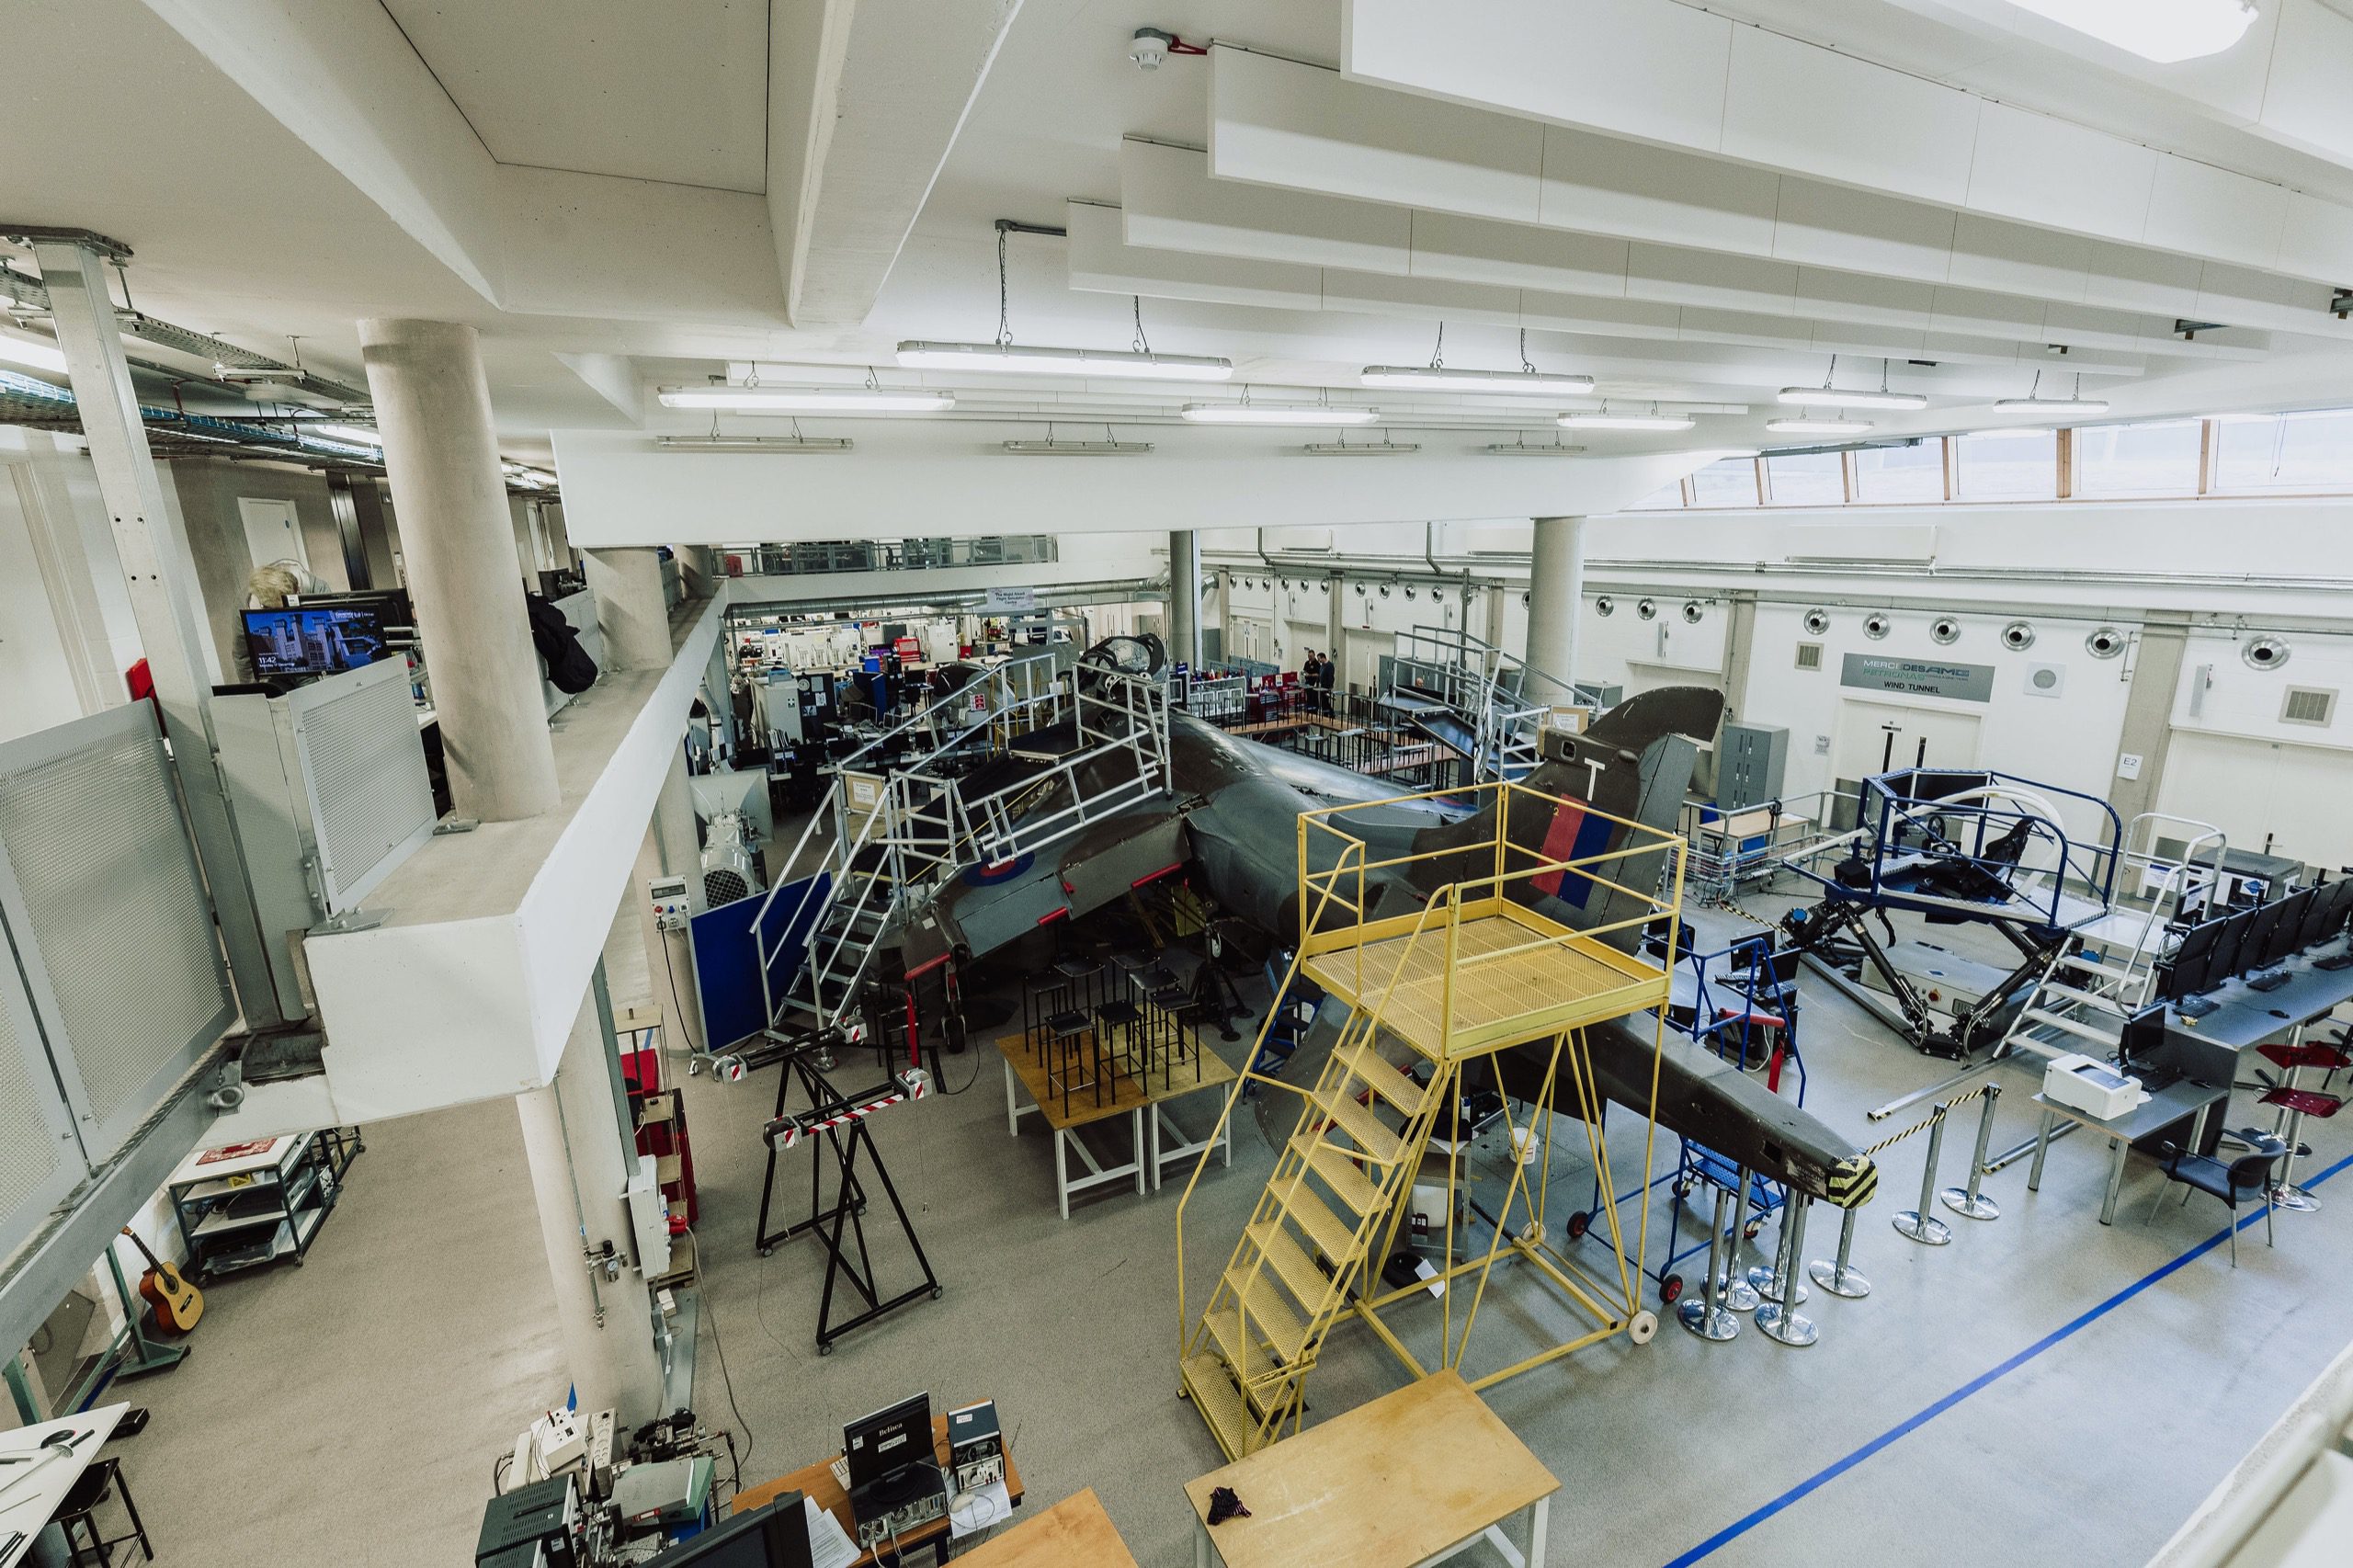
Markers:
{"x": 24, "y": 351}
{"x": 1610, "y": 420}
{"x": 810, "y": 400}
{"x": 366, "y": 438}
{"x": 2014, "y": 432}
{"x": 1050, "y": 448}
{"x": 1435, "y": 378}
{"x": 752, "y": 443}
{"x": 260, "y": 375}
{"x": 1849, "y": 397}
{"x": 1276, "y": 414}
{"x": 1522, "y": 449}
{"x": 1018, "y": 360}
{"x": 2165, "y": 31}
{"x": 1361, "y": 450}
{"x": 1817, "y": 426}
{"x": 2051, "y": 405}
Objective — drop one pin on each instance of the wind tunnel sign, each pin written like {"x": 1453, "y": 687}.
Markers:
{"x": 1918, "y": 677}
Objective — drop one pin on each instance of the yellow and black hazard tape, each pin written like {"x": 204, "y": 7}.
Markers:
{"x": 1851, "y": 1183}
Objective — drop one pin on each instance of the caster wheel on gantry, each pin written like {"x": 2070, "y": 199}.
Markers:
{"x": 768, "y": 1252}
{"x": 937, "y": 1291}
{"x": 1670, "y": 1289}
{"x": 824, "y": 1348}
{"x": 1752, "y": 1229}
{"x": 1643, "y": 1328}
{"x": 1579, "y": 1223}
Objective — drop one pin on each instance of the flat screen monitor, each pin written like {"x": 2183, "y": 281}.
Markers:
{"x": 391, "y": 604}
{"x": 2262, "y": 934}
{"x": 2144, "y": 1031}
{"x": 2229, "y": 956}
{"x": 774, "y": 1536}
{"x": 889, "y": 1440}
{"x": 2324, "y": 916}
{"x": 311, "y": 639}
{"x": 2284, "y": 935}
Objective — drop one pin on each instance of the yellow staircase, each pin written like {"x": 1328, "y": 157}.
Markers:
{"x": 1475, "y": 971}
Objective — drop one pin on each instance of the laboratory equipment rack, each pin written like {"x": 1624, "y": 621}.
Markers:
{"x": 259, "y": 1202}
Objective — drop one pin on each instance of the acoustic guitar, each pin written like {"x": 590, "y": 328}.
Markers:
{"x": 178, "y": 1303}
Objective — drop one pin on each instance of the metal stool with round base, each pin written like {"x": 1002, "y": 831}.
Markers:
{"x": 2295, "y": 1104}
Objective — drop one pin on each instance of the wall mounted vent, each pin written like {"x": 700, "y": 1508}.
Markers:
{"x": 1648, "y": 610}
{"x": 2105, "y": 643}
{"x": 1817, "y": 621}
{"x": 2265, "y": 652}
{"x": 2018, "y": 637}
{"x": 2309, "y": 705}
{"x": 1809, "y": 655}
{"x": 1604, "y": 605}
{"x": 1876, "y": 626}
{"x": 1945, "y": 630}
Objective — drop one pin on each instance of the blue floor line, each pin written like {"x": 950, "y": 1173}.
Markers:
{"x": 1819, "y": 1478}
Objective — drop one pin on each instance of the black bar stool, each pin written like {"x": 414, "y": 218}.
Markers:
{"x": 78, "y": 1513}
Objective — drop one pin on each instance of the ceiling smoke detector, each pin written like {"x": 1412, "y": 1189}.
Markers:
{"x": 1149, "y": 48}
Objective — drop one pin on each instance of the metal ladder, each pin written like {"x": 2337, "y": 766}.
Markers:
{"x": 1337, "y": 1181}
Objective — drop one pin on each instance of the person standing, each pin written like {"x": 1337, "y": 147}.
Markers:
{"x": 1326, "y": 677}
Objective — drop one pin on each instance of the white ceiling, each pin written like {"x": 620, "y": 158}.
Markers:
{"x": 677, "y": 91}
{"x": 590, "y": 183}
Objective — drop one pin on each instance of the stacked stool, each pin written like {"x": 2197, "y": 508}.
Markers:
{"x": 2294, "y": 1105}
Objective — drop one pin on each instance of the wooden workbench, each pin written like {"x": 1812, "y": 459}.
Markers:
{"x": 1073, "y": 1533}
{"x": 816, "y": 1481}
{"x": 1141, "y": 1104}
{"x": 1413, "y": 1476}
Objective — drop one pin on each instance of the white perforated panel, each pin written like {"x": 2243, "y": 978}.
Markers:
{"x": 368, "y": 782}
{"x": 29, "y": 1151}
{"x": 111, "y": 922}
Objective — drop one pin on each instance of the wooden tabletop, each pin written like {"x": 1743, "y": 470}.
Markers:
{"x": 816, "y": 1480}
{"x": 1390, "y": 1483}
{"x": 1073, "y": 1533}
{"x": 1121, "y": 1092}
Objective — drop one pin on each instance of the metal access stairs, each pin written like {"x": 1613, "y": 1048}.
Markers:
{"x": 1338, "y": 1178}
{"x": 1470, "y": 697}
{"x": 1056, "y": 754}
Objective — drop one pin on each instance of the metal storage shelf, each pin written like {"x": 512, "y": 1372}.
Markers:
{"x": 289, "y": 1184}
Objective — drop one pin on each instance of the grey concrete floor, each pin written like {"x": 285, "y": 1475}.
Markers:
{"x": 381, "y": 1381}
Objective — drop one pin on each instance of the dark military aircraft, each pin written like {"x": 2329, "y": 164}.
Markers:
{"x": 1232, "y": 817}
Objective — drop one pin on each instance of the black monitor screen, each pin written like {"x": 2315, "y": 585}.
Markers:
{"x": 314, "y": 641}
{"x": 2263, "y": 929}
{"x": 2143, "y": 1032}
{"x": 2324, "y": 915}
{"x": 2231, "y": 947}
{"x": 776, "y": 1536}
{"x": 2282, "y": 936}
{"x": 889, "y": 1440}
{"x": 2185, "y": 973}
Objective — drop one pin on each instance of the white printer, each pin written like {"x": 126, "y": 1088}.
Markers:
{"x": 2088, "y": 1085}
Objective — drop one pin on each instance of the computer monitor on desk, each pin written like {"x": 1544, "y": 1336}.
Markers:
{"x": 889, "y": 1440}
{"x": 773, "y": 1536}
{"x": 2270, "y": 938}
{"x": 2206, "y": 956}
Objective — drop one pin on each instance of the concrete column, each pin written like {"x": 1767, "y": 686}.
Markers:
{"x": 579, "y": 1172}
{"x": 1185, "y": 597}
{"x": 1555, "y": 604}
{"x": 630, "y": 609}
{"x": 2148, "y": 713}
{"x": 677, "y": 844}
{"x": 441, "y": 450}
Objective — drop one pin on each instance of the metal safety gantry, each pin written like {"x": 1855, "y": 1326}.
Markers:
{"x": 1473, "y": 971}
{"x": 1020, "y": 758}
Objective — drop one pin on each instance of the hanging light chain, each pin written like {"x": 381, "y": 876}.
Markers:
{"x": 1003, "y": 312}
{"x": 1141, "y": 344}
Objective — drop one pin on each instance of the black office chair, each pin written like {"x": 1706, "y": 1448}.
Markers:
{"x": 2248, "y": 1176}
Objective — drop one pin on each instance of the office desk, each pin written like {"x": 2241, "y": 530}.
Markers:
{"x": 2160, "y": 1111}
{"x": 1073, "y": 1533}
{"x": 2248, "y": 1018}
{"x": 1411, "y": 1477}
{"x": 816, "y": 1481}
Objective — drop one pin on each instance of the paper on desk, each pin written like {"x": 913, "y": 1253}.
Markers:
{"x": 829, "y": 1544}
{"x": 971, "y": 1512}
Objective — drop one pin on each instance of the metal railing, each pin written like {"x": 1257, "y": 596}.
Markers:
{"x": 812, "y": 556}
{"x": 915, "y": 825}
{"x": 1501, "y": 701}
{"x": 1744, "y": 850}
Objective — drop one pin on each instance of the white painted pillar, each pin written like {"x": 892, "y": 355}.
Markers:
{"x": 432, "y": 408}
{"x": 1185, "y": 597}
{"x": 579, "y": 1171}
{"x": 631, "y": 611}
{"x": 1555, "y": 604}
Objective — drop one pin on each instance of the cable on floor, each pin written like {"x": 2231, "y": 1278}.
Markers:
{"x": 751, "y": 1438}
